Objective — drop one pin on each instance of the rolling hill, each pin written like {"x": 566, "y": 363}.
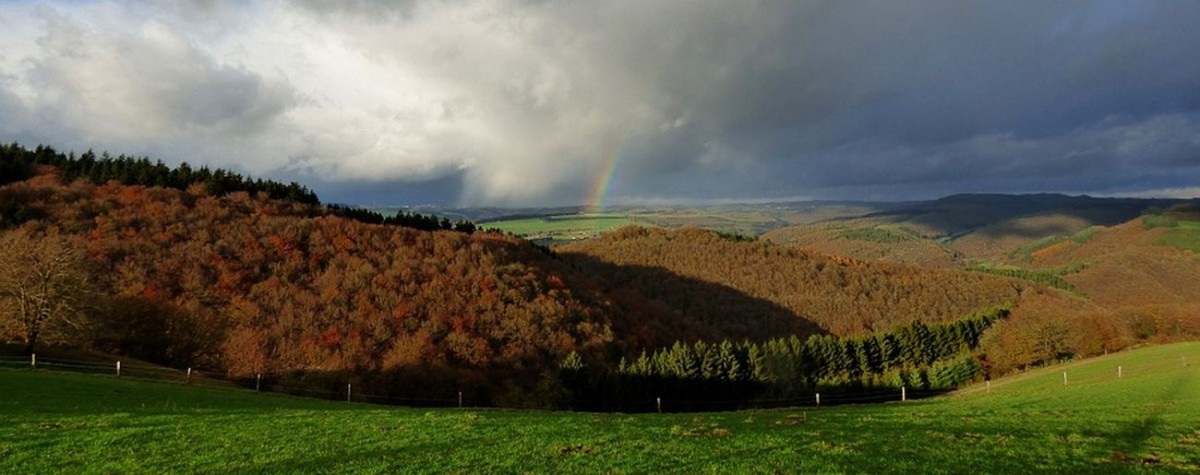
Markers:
{"x": 841, "y": 296}
{"x": 1126, "y": 267}
{"x": 953, "y": 230}
{"x": 248, "y": 284}
{"x": 1097, "y": 423}
{"x": 223, "y": 273}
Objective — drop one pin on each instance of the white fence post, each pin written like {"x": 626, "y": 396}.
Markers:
{"x": 33, "y": 360}
{"x": 347, "y": 392}
{"x": 818, "y": 399}
{"x": 903, "y": 393}
{"x": 189, "y": 376}
{"x": 118, "y": 369}
{"x": 658, "y": 403}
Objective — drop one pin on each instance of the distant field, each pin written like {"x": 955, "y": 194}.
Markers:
{"x": 563, "y": 227}
{"x": 746, "y": 223}
{"x": 582, "y": 226}
{"x": 1150, "y": 418}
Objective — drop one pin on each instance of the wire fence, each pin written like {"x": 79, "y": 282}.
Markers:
{"x": 267, "y": 383}
{"x": 348, "y": 393}
{"x": 220, "y": 380}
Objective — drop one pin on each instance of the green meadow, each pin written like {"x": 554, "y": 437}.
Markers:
{"x": 588, "y": 225}
{"x": 1149, "y": 419}
{"x": 566, "y": 227}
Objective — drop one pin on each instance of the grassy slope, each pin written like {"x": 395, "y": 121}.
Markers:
{"x": 54, "y": 422}
{"x": 1127, "y": 269}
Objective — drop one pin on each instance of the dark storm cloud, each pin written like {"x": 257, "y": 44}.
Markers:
{"x": 526, "y": 102}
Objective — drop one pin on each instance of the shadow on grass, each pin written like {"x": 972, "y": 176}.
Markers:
{"x": 1133, "y": 440}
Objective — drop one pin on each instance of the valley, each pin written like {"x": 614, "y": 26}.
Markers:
{"x": 1031, "y": 422}
{"x": 738, "y": 308}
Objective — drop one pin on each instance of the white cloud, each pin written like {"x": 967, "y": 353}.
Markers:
{"x": 149, "y": 85}
{"x": 527, "y": 101}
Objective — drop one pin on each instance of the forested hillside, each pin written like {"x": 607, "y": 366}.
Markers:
{"x": 253, "y": 277}
{"x": 255, "y": 285}
{"x": 1126, "y": 268}
{"x": 251, "y": 284}
{"x": 19, "y": 163}
{"x": 841, "y": 296}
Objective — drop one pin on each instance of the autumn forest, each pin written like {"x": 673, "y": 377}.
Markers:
{"x": 206, "y": 268}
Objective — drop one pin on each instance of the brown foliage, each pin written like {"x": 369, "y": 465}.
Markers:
{"x": 255, "y": 285}
{"x": 827, "y": 238}
{"x": 844, "y": 297}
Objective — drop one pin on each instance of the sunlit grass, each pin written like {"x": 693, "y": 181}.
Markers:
{"x": 563, "y": 227}
{"x": 66, "y": 423}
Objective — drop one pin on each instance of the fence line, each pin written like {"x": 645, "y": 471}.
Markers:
{"x": 205, "y": 378}
{"x": 198, "y": 377}
{"x": 195, "y": 376}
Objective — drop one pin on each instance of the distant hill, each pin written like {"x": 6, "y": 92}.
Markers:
{"x": 951, "y": 231}
{"x": 959, "y": 214}
{"x": 226, "y": 273}
{"x": 1128, "y": 267}
{"x": 842, "y": 296}
{"x": 250, "y": 284}
{"x": 1137, "y": 271}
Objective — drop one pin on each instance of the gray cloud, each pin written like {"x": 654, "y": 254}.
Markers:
{"x": 150, "y": 86}
{"x": 526, "y": 102}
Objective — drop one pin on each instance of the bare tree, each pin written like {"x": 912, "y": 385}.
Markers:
{"x": 45, "y": 287}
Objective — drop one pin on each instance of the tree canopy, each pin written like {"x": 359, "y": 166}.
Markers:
{"x": 45, "y": 287}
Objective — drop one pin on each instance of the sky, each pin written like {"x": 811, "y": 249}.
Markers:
{"x": 568, "y": 102}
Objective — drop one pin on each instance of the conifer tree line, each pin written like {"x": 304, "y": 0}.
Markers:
{"x": 729, "y": 374}
{"x": 18, "y": 163}
{"x": 1049, "y": 279}
{"x": 406, "y": 219}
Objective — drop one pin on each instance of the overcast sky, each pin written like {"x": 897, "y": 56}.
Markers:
{"x": 525, "y": 102}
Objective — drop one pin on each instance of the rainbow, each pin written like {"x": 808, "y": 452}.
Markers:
{"x": 602, "y": 180}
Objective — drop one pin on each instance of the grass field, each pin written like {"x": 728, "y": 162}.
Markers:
{"x": 67, "y": 423}
{"x": 583, "y": 226}
{"x": 568, "y": 227}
